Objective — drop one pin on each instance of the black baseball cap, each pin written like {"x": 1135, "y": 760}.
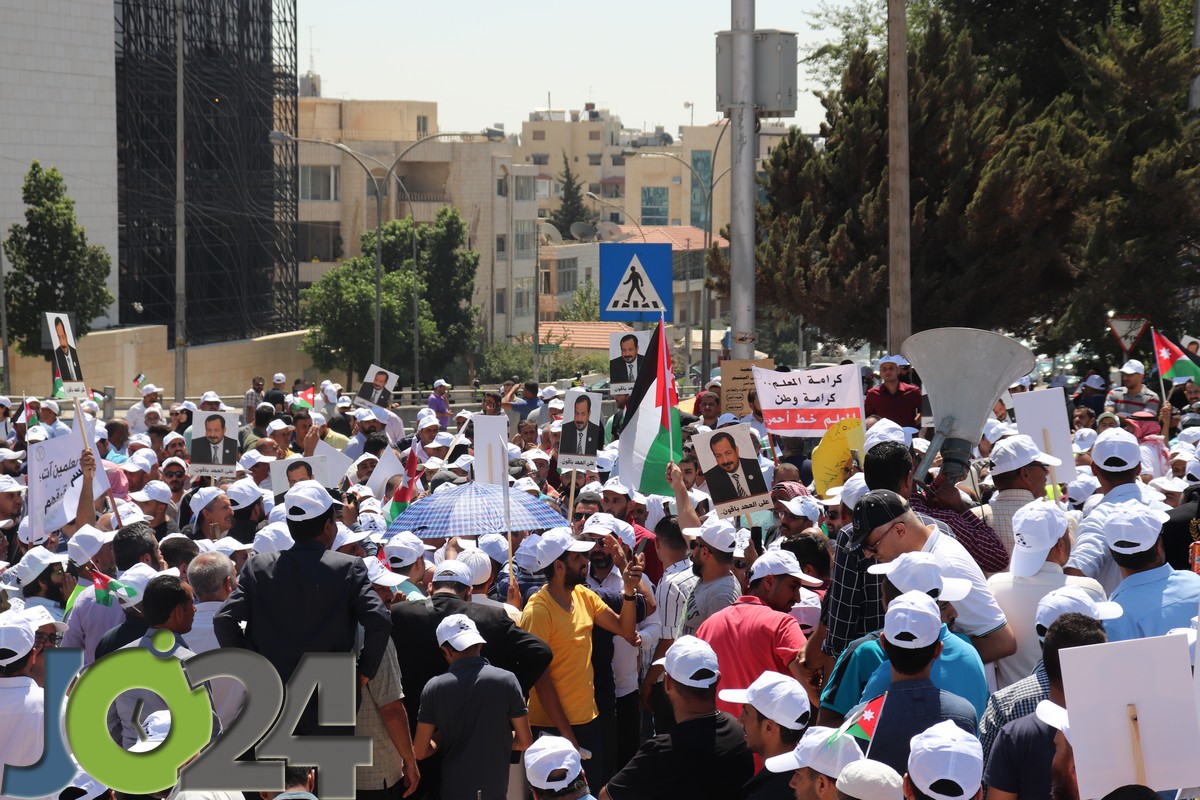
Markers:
{"x": 877, "y": 507}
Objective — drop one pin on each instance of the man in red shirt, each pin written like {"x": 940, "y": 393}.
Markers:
{"x": 892, "y": 399}
{"x": 757, "y": 633}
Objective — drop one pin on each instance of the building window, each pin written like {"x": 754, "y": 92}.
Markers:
{"x": 319, "y": 183}
{"x": 539, "y": 136}
{"x": 568, "y": 275}
{"x": 501, "y": 245}
{"x": 593, "y": 159}
{"x": 525, "y": 233}
{"x": 525, "y": 188}
{"x": 318, "y": 241}
{"x": 594, "y": 136}
{"x": 383, "y": 185}
{"x": 523, "y": 297}
{"x": 501, "y": 187}
{"x": 545, "y": 281}
{"x": 422, "y": 125}
{"x": 654, "y": 205}
{"x": 618, "y": 161}
{"x": 501, "y": 302}
{"x": 594, "y": 188}
{"x": 702, "y": 164}
{"x": 541, "y": 159}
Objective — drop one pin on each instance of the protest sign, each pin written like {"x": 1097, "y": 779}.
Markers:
{"x": 1111, "y": 719}
{"x": 389, "y": 465}
{"x": 490, "y": 436}
{"x": 332, "y": 464}
{"x": 1042, "y": 416}
{"x": 626, "y": 354}
{"x": 287, "y": 472}
{"x": 737, "y": 379}
{"x": 54, "y": 477}
{"x": 214, "y": 446}
{"x": 376, "y": 390}
{"x": 809, "y": 402}
{"x": 582, "y": 435}
{"x": 68, "y": 374}
{"x": 732, "y": 475}
{"x": 831, "y": 457}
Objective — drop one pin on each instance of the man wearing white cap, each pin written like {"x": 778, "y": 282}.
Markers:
{"x": 469, "y": 709}
{"x": 775, "y": 712}
{"x": 1133, "y": 395}
{"x": 706, "y": 755}
{"x": 43, "y": 580}
{"x": 154, "y": 500}
{"x": 136, "y": 415}
{"x": 944, "y": 763}
{"x": 813, "y": 766}
{"x": 22, "y": 702}
{"x": 712, "y": 561}
{"x": 48, "y": 416}
{"x": 892, "y": 398}
{"x": 1020, "y": 471}
{"x": 438, "y": 403}
{"x": 1042, "y": 544}
{"x": 757, "y": 634}
{"x": 554, "y": 769}
{"x": 1117, "y": 464}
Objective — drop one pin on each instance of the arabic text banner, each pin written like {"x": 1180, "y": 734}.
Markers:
{"x": 808, "y": 403}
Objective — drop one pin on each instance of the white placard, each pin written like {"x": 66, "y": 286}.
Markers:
{"x": 720, "y": 462}
{"x": 335, "y": 464}
{"x": 1154, "y": 676}
{"x": 490, "y": 437}
{"x": 808, "y": 402}
{"x": 389, "y": 465}
{"x": 53, "y": 469}
{"x": 1042, "y": 416}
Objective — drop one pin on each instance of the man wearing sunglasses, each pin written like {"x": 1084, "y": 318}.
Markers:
{"x": 885, "y": 527}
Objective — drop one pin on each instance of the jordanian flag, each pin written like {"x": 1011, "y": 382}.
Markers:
{"x": 58, "y": 385}
{"x": 407, "y": 489}
{"x": 1173, "y": 360}
{"x": 861, "y": 723}
{"x": 108, "y": 588}
{"x": 651, "y": 437}
{"x": 306, "y": 399}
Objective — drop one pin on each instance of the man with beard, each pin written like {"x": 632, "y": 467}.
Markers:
{"x": 44, "y": 581}
{"x": 562, "y": 613}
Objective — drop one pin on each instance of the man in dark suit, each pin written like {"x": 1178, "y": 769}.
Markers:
{"x": 1181, "y": 529}
{"x": 414, "y": 627}
{"x": 309, "y": 599}
{"x": 66, "y": 360}
{"x": 215, "y": 447}
{"x": 626, "y": 367}
{"x": 733, "y": 476}
{"x": 376, "y": 392}
{"x": 585, "y": 437}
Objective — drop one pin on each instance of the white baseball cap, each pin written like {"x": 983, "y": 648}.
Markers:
{"x": 1133, "y": 527}
{"x": 229, "y": 545}
{"x": 429, "y": 421}
{"x": 780, "y": 562}
{"x": 548, "y": 393}
{"x": 28, "y": 535}
{"x": 86, "y": 542}
{"x": 526, "y": 555}
{"x": 37, "y": 616}
{"x": 853, "y": 490}
{"x": 1014, "y": 452}
{"x": 157, "y": 491}
{"x": 867, "y": 779}
{"x": 614, "y": 485}
{"x": 1116, "y": 450}
{"x": 807, "y": 612}
{"x": 948, "y": 758}
{"x": 347, "y": 536}
{"x": 176, "y": 460}
{"x": 453, "y": 571}
{"x": 803, "y": 506}
{"x": 480, "y": 564}
{"x": 912, "y": 621}
{"x": 692, "y": 662}
{"x": 1133, "y": 367}
{"x": 243, "y": 493}
{"x": 884, "y": 431}
{"x": 1083, "y": 487}
{"x": 922, "y": 572}
{"x": 253, "y": 458}
{"x": 1083, "y": 440}
{"x": 458, "y": 631}
{"x": 380, "y": 575}
{"x": 719, "y": 534}
{"x": 1072, "y": 599}
{"x": 1169, "y": 483}
{"x": 11, "y": 455}
{"x": 16, "y": 640}
{"x": 306, "y": 500}
{"x": 1191, "y": 472}
{"x": 527, "y": 485}
{"x": 1037, "y": 527}
{"x": 141, "y": 461}
{"x": 134, "y": 581}
{"x": 548, "y": 755}
{"x": 821, "y": 750}
{"x": 439, "y": 383}
{"x": 553, "y": 544}
{"x": 1096, "y": 382}
{"x": 495, "y": 545}
{"x": 780, "y": 698}
{"x": 36, "y": 561}
{"x": 404, "y": 549}
{"x": 994, "y": 430}
{"x": 150, "y": 389}
{"x": 199, "y": 502}
{"x": 273, "y": 538}
{"x": 156, "y": 727}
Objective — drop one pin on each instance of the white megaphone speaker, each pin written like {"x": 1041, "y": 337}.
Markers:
{"x": 965, "y": 371}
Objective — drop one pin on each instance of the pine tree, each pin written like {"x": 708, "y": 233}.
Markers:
{"x": 572, "y": 208}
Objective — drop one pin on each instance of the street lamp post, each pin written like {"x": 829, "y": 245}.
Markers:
{"x": 610, "y": 204}
{"x": 280, "y": 137}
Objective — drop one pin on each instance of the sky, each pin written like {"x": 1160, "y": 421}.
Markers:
{"x": 488, "y": 61}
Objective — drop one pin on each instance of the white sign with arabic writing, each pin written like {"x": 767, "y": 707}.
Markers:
{"x": 808, "y": 402}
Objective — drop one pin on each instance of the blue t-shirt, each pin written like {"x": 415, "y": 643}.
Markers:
{"x": 958, "y": 670}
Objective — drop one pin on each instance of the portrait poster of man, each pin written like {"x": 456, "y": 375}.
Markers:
{"x": 287, "y": 472}
{"x": 376, "y": 390}
{"x": 214, "y": 443}
{"x": 582, "y": 437}
{"x": 627, "y": 354}
{"x": 66, "y": 358}
{"x": 732, "y": 476}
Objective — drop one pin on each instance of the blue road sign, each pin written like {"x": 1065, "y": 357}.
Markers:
{"x": 636, "y": 282}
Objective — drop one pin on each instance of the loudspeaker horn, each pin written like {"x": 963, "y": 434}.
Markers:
{"x": 964, "y": 371}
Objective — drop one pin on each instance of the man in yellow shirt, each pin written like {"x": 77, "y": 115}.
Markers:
{"x": 562, "y": 613}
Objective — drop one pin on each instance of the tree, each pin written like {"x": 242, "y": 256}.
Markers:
{"x": 502, "y": 360}
{"x": 53, "y": 266}
{"x": 447, "y": 269}
{"x": 572, "y": 208}
{"x": 584, "y": 305}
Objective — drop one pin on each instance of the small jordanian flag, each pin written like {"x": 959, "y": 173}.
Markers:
{"x": 58, "y": 385}
{"x": 1173, "y": 360}
{"x": 137, "y": 379}
{"x": 306, "y": 399}
{"x": 861, "y": 723}
{"x": 407, "y": 489}
{"x": 108, "y": 588}
{"x": 651, "y": 436}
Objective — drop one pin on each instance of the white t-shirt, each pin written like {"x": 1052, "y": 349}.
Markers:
{"x": 978, "y": 613}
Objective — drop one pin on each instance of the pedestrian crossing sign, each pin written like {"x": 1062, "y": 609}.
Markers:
{"x": 635, "y": 282}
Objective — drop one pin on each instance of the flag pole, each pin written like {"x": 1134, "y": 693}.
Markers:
{"x": 1158, "y": 368}
{"x": 507, "y": 517}
{"x": 662, "y": 356}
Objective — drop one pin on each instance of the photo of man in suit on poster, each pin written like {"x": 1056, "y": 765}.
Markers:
{"x": 215, "y": 453}
{"x": 377, "y": 387}
{"x": 730, "y": 466}
{"x": 582, "y": 436}
{"x": 627, "y": 354}
{"x": 66, "y": 359}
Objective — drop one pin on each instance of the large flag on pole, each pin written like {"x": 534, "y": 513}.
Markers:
{"x": 1173, "y": 360}
{"x": 651, "y": 437}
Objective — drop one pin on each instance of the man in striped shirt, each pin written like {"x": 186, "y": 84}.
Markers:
{"x": 671, "y": 597}
{"x": 1133, "y": 395}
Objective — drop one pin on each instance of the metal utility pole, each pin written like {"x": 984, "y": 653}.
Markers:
{"x": 1194, "y": 92}
{"x": 180, "y": 227}
{"x": 741, "y": 251}
{"x": 899, "y": 278}
{"x": 4, "y": 326}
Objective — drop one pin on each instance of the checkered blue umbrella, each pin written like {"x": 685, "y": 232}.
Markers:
{"x": 473, "y": 509}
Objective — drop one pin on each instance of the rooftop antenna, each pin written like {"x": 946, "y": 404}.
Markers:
{"x": 312, "y": 67}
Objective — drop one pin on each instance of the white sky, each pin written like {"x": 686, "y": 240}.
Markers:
{"x": 489, "y": 61}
